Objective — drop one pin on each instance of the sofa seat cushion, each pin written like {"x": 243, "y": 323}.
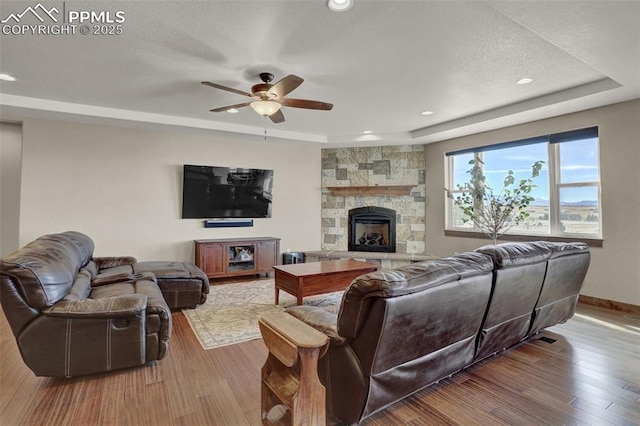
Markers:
{"x": 113, "y": 275}
{"x": 130, "y": 285}
{"x": 111, "y": 290}
{"x": 183, "y": 284}
{"x": 158, "y": 312}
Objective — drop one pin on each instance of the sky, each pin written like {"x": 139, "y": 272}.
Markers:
{"x": 578, "y": 159}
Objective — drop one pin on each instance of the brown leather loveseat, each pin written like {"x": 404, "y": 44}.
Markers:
{"x": 399, "y": 331}
{"x": 73, "y": 314}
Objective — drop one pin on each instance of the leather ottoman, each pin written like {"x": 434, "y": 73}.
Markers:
{"x": 183, "y": 284}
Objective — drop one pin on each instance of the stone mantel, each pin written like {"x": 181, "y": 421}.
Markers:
{"x": 346, "y": 191}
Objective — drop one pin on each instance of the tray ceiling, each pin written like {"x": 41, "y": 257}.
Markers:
{"x": 381, "y": 64}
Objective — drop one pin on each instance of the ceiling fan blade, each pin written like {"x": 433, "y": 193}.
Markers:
{"x": 306, "y": 103}
{"x": 228, "y": 89}
{"x": 285, "y": 86}
{"x": 277, "y": 117}
{"x": 228, "y": 107}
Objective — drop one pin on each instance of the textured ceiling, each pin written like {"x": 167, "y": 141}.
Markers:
{"x": 380, "y": 64}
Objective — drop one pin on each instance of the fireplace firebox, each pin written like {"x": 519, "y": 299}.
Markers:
{"x": 372, "y": 229}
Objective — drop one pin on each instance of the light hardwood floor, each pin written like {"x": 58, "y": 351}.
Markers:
{"x": 589, "y": 375}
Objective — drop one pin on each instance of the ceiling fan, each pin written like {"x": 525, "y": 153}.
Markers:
{"x": 269, "y": 98}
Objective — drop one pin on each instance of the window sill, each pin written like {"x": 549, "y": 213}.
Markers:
{"x": 591, "y": 242}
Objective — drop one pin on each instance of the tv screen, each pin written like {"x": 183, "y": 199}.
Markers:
{"x": 210, "y": 192}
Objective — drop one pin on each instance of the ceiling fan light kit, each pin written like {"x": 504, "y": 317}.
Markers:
{"x": 340, "y": 5}
{"x": 265, "y": 107}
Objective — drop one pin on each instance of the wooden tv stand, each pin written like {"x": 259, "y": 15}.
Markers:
{"x": 230, "y": 257}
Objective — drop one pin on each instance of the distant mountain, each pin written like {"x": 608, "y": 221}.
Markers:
{"x": 541, "y": 202}
{"x": 584, "y": 203}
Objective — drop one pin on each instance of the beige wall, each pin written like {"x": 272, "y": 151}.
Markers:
{"x": 123, "y": 186}
{"x": 614, "y": 273}
{"x": 10, "y": 153}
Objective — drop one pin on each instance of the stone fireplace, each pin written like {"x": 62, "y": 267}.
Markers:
{"x": 370, "y": 167}
{"x": 372, "y": 229}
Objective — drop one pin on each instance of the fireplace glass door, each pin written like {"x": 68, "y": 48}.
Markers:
{"x": 372, "y": 229}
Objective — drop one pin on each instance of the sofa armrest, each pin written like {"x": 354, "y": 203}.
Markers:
{"x": 111, "y": 262}
{"x": 320, "y": 319}
{"x": 111, "y": 307}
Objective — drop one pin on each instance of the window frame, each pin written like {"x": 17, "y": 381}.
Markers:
{"x": 554, "y": 163}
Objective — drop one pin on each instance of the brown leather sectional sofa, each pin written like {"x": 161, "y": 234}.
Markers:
{"x": 73, "y": 314}
{"x": 399, "y": 331}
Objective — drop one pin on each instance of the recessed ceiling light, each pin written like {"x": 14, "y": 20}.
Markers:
{"x": 340, "y": 5}
{"x": 525, "y": 80}
{"x": 426, "y": 112}
{"x": 7, "y": 77}
{"x": 232, "y": 111}
{"x": 367, "y": 132}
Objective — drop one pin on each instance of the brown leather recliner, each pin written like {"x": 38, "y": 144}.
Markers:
{"x": 73, "y": 315}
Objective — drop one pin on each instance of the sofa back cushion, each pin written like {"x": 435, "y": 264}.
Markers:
{"x": 393, "y": 317}
{"x": 44, "y": 270}
{"x": 566, "y": 271}
{"x": 519, "y": 272}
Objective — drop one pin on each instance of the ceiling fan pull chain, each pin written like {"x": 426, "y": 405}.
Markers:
{"x": 265, "y": 127}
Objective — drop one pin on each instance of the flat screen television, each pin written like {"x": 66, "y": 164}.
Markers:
{"x": 210, "y": 192}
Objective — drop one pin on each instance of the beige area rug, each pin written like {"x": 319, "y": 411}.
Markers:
{"x": 230, "y": 314}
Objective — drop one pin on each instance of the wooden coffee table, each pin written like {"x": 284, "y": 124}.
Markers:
{"x": 309, "y": 279}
